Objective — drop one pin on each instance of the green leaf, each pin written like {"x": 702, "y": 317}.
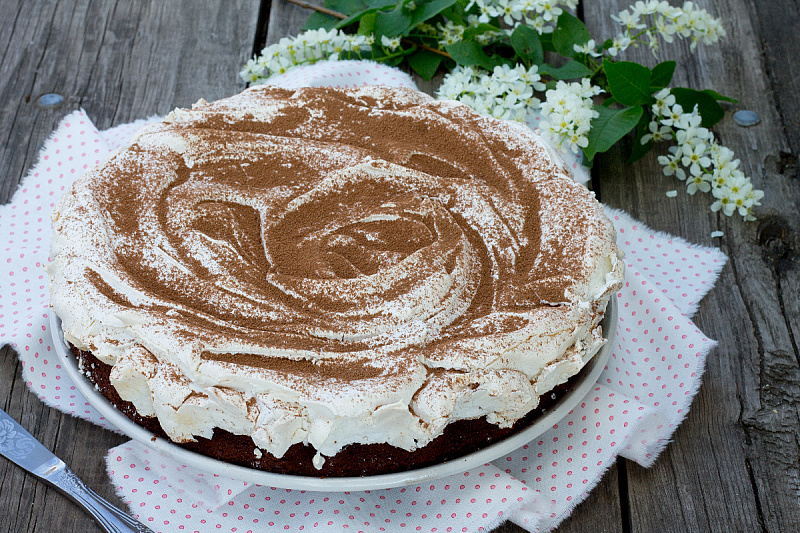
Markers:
{"x": 569, "y": 31}
{"x": 427, "y": 9}
{"x": 393, "y": 61}
{"x": 547, "y": 42}
{"x": 570, "y": 70}
{"x": 391, "y": 23}
{"x": 661, "y": 75}
{"x": 320, "y": 20}
{"x": 479, "y": 29}
{"x": 608, "y": 102}
{"x": 354, "y": 9}
{"x": 366, "y": 25}
{"x": 716, "y": 96}
{"x": 425, "y": 63}
{"x": 372, "y": 13}
{"x": 456, "y": 13}
{"x": 707, "y": 106}
{"x": 468, "y": 53}
{"x": 611, "y": 126}
{"x": 400, "y": 21}
{"x": 639, "y": 150}
{"x": 628, "y": 82}
{"x": 348, "y": 7}
{"x": 526, "y": 43}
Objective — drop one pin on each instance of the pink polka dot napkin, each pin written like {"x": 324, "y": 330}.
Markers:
{"x": 643, "y": 394}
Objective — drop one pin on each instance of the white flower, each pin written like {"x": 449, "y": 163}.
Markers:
{"x": 531, "y": 77}
{"x": 629, "y": 20}
{"x": 567, "y": 114}
{"x": 667, "y": 22}
{"x": 721, "y": 177}
{"x": 505, "y": 75}
{"x": 695, "y": 158}
{"x": 281, "y": 65}
{"x": 390, "y": 43}
{"x": 587, "y": 90}
{"x": 509, "y": 10}
{"x": 657, "y": 134}
{"x": 711, "y": 167}
{"x": 549, "y": 10}
{"x": 672, "y": 166}
{"x": 449, "y": 33}
{"x": 305, "y": 49}
{"x": 251, "y": 71}
{"x": 620, "y": 43}
{"x": 689, "y": 120}
{"x": 698, "y": 183}
{"x": 505, "y": 93}
{"x": 538, "y": 24}
{"x": 588, "y": 48}
{"x": 673, "y": 115}
{"x": 664, "y": 101}
{"x": 723, "y": 201}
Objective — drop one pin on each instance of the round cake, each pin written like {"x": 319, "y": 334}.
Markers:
{"x": 321, "y": 276}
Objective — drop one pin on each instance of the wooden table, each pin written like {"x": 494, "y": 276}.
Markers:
{"x": 734, "y": 464}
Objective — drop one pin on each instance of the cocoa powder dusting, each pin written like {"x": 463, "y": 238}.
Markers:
{"x": 253, "y": 217}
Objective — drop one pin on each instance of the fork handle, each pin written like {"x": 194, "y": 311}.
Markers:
{"x": 106, "y": 515}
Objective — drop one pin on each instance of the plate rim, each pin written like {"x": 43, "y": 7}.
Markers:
{"x": 337, "y": 484}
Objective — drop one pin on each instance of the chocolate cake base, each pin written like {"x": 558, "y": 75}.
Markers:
{"x": 458, "y": 439}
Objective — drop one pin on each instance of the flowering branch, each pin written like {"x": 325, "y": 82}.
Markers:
{"x": 493, "y": 52}
{"x": 342, "y": 16}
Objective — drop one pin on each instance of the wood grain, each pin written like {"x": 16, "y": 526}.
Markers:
{"x": 732, "y": 465}
{"x": 120, "y": 61}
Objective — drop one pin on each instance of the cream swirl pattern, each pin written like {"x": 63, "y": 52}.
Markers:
{"x": 328, "y": 266}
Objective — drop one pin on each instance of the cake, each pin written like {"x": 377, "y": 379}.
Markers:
{"x": 318, "y": 277}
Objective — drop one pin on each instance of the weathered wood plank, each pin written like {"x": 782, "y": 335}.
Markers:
{"x": 774, "y": 425}
{"x": 732, "y": 466}
{"x": 120, "y": 61}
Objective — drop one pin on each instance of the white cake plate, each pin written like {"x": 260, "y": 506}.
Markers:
{"x": 579, "y": 388}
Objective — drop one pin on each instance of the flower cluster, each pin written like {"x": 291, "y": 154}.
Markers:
{"x": 711, "y": 167}
{"x": 538, "y": 14}
{"x": 567, "y": 113}
{"x": 305, "y": 49}
{"x": 449, "y": 32}
{"x": 505, "y": 93}
{"x": 514, "y": 92}
{"x": 647, "y": 21}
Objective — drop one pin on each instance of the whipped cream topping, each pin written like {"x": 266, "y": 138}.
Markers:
{"x": 328, "y": 267}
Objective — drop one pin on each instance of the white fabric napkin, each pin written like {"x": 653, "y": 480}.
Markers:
{"x": 643, "y": 394}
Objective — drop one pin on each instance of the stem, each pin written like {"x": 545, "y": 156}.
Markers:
{"x": 596, "y": 72}
{"x": 428, "y": 48}
{"x": 644, "y": 31}
{"x": 321, "y": 9}
{"x": 336, "y": 14}
{"x": 391, "y": 55}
